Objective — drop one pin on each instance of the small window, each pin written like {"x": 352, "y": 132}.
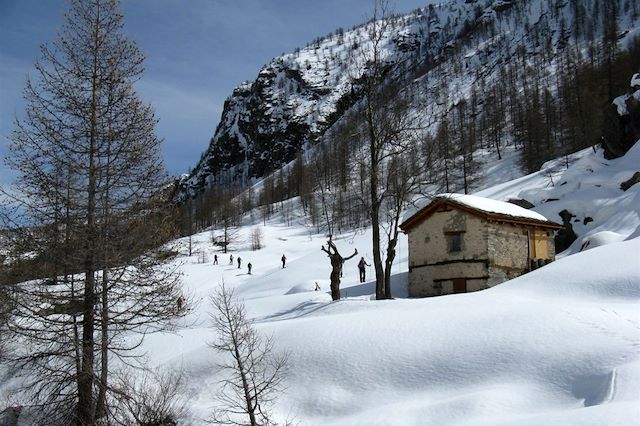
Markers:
{"x": 454, "y": 240}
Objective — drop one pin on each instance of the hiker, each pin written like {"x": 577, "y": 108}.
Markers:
{"x": 249, "y": 267}
{"x": 284, "y": 260}
{"x": 215, "y": 259}
{"x": 231, "y": 260}
{"x": 239, "y": 262}
{"x": 361, "y": 266}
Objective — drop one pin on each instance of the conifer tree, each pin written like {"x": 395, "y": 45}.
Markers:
{"x": 89, "y": 196}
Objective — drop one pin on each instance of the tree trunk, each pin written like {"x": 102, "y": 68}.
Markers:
{"x": 335, "y": 285}
{"x": 375, "y": 203}
{"x": 85, "y": 379}
{"x": 391, "y": 255}
{"x": 245, "y": 387}
{"x": 101, "y": 403}
{"x": 85, "y": 409}
{"x": 377, "y": 258}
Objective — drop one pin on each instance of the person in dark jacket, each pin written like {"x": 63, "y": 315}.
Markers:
{"x": 361, "y": 267}
{"x": 239, "y": 262}
{"x": 215, "y": 259}
{"x": 284, "y": 260}
{"x": 249, "y": 265}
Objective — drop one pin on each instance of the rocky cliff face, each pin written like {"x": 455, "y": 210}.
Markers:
{"x": 443, "y": 50}
{"x": 266, "y": 122}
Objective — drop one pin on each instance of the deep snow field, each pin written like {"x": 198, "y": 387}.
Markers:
{"x": 558, "y": 346}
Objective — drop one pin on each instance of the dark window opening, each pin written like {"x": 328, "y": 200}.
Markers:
{"x": 455, "y": 242}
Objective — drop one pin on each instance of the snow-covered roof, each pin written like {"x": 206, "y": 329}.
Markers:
{"x": 485, "y": 205}
{"x": 492, "y": 206}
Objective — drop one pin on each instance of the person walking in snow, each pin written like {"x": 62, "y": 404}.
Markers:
{"x": 231, "y": 260}
{"x": 284, "y": 260}
{"x": 215, "y": 259}
{"x": 239, "y": 262}
{"x": 361, "y": 266}
{"x": 249, "y": 267}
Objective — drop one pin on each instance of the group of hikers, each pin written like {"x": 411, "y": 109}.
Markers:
{"x": 361, "y": 265}
{"x": 239, "y": 260}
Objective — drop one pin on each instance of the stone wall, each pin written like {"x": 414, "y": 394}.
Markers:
{"x": 428, "y": 242}
{"x": 551, "y": 246}
{"x": 509, "y": 250}
{"x": 434, "y": 280}
{"x": 430, "y": 262}
{"x": 491, "y": 252}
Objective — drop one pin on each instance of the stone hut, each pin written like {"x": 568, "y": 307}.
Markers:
{"x": 460, "y": 243}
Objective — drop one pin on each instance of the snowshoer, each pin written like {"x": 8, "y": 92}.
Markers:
{"x": 361, "y": 266}
{"x": 231, "y": 260}
{"x": 249, "y": 267}
{"x": 284, "y": 260}
{"x": 239, "y": 262}
{"x": 215, "y": 259}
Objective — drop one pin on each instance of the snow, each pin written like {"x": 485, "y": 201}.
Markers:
{"x": 621, "y": 105}
{"x": 493, "y": 206}
{"x": 556, "y": 346}
{"x": 478, "y": 203}
{"x": 621, "y": 101}
{"x": 589, "y": 188}
{"x": 559, "y": 345}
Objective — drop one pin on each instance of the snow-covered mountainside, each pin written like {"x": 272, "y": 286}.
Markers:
{"x": 444, "y": 50}
{"x": 590, "y": 190}
{"x": 560, "y": 345}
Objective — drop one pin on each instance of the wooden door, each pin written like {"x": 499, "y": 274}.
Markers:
{"x": 459, "y": 285}
{"x": 541, "y": 245}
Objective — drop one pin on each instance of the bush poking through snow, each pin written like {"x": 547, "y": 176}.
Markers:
{"x": 253, "y": 372}
{"x": 256, "y": 238}
{"x": 155, "y": 398}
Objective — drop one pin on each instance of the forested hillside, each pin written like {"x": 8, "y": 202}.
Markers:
{"x": 536, "y": 76}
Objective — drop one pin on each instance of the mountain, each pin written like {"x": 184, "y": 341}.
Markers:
{"x": 479, "y": 51}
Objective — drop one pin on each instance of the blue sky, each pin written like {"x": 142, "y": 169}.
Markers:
{"x": 197, "y": 52}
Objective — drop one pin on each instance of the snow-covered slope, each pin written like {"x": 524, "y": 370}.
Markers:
{"x": 441, "y": 51}
{"x": 589, "y": 189}
{"x": 560, "y": 345}
{"x": 557, "y": 346}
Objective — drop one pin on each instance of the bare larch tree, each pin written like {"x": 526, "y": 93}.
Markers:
{"x": 253, "y": 371}
{"x": 89, "y": 196}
